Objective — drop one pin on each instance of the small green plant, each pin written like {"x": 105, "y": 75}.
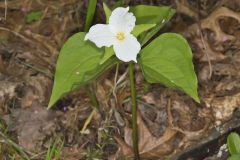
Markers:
{"x": 90, "y": 13}
{"x": 126, "y": 38}
{"x": 8, "y": 148}
{"x": 54, "y": 150}
{"x": 93, "y": 154}
{"x": 233, "y": 143}
{"x": 33, "y": 16}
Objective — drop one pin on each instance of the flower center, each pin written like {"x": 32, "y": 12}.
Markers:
{"x": 120, "y": 36}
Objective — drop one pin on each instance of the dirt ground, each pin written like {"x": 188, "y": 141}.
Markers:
{"x": 171, "y": 124}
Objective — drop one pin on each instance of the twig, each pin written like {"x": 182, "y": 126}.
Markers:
{"x": 16, "y": 34}
{"x": 202, "y": 39}
{"x": 5, "y": 13}
{"x": 35, "y": 68}
{"x": 115, "y": 83}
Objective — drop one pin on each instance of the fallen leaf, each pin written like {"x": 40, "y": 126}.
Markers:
{"x": 223, "y": 107}
{"x": 149, "y": 146}
{"x": 32, "y": 125}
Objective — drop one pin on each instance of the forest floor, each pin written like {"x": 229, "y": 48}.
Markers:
{"x": 171, "y": 124}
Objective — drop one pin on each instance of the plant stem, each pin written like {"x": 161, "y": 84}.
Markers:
{"x": 92, "y": 96}
{"x": 92, "y": 4}
{"x": 134, "y": 111}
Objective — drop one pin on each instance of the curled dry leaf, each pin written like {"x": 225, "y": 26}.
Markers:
{"x": 149, "y": 146}
{"x": 205, "y": 49}
{"x": 155, "y": 118}
{"x": 184, "y": 116}
{"x": 212, "y": 23}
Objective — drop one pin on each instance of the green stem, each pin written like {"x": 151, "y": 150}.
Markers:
{"x": 92, "y": 4}
{"x": 92, "y": 96}
{"x": 134, "y": 111}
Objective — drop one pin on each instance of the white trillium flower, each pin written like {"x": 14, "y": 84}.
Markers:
{"x": 117, "y": 34}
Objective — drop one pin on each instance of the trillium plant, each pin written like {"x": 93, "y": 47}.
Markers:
{"x": 127, "y": 38}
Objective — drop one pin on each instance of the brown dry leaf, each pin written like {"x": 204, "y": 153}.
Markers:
{"x": 226, "y": 69}
{"x": 149, "y": 146}
{"x": 210, "y": 46}
{"x": 34, "y": 88}
{"x": 101, "y": 93}
{"x": 223, "y": 107}
{"x": 32, "y": 125}
{"x": 7, "y": 92}
{"x": 191, "y": 124}
{"x": 7, "y": 88}
{"x": 206, "y": 52}
{"x": 155, "y": 118}
{"x": 149, "y": 98}
{"x": 212, "y": 23}
{"x": 187, "y": 115}
{"x": 184, "y": 7}
{"x": 40, "y": 84}
{"x": 229, "y": 86}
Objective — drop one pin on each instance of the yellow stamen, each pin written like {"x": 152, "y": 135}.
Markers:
{"x": 120, "y": 36}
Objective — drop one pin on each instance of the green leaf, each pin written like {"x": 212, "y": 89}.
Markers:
{"x": 168, "y": 60}
{"x": 93, "y": 74}
{"x": 90, "y": 13}
{"x": 77, "y": 65}
{"x": 146, "y": 14}
{"x": 154, "y": 14}
{"x": 119, "y": 3}
{"x": 107, "y": 11}
{"x": 234, "y": 157}
{"x": 34, "y": 16}
{"x": 109, "y": 52}
{"x": 138, "y": 29}
{"x": 233, "y": 142}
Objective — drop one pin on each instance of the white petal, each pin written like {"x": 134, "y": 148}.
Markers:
{"x": 121, "y": 20}
{"x": 128, "y": 49}
{"x": 101, "y": 35}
